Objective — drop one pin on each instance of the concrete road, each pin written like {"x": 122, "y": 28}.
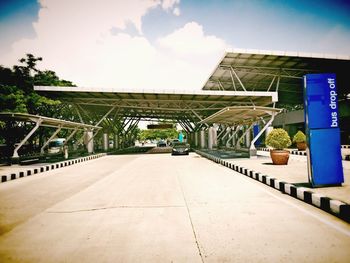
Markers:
{"x": 159, "y": 208}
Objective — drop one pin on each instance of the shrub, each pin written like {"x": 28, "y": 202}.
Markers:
{"x": 299, "y": 137}
{"x": 278, "y": 139}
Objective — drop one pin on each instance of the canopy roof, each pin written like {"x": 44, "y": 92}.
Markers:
{"x": 240, "y": 115}
{"x": 164, "y": 104}
{"x": 45, "y": 121}
{"x": 261, "y": 70}
{"x": 248, "y": 78}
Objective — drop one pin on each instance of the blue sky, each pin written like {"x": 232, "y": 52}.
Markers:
{"x": 16, "y": 19}
{"x": 165, "y": 43}
{"x": 282, "y": 25}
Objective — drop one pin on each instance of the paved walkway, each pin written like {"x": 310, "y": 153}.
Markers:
{"x": 161, "y": 208}
{"x": 296, "y": 173}
{"x": 331, "y": 201}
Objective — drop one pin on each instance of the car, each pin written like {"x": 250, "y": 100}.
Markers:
{"x": 180, "y": 148}
{"x": 56, "y": 145}
{"x": 161, "y": 143}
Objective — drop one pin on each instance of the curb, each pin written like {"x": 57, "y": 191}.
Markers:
{"x": 303, "y": 153}
{"x": 332, "y": 206}
{"x": 45, "y": 168}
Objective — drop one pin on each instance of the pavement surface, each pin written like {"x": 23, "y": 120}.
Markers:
{"x": 161, "y": 208}
{"x": 296, "y": 173}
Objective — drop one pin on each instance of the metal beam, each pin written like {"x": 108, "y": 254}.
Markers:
{"x": 233, "y": 80}
{"x": 240, "y": 82}
{"x": 37, "y": 125}
{"x": 228, "y": 130}
{"x": 252, "y": 148}
{"x": 105, "y": 115}
{"x": 233, "y": 135}
{"x": 70, "y": 136}
{"x": 237, "y": 146}
{"x": 52, "y": 136}
{"x": 199, "y": 117}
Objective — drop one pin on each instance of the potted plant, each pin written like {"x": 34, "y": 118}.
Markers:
{"x": 300, "y": 140}
{"x": 278, "y": 139}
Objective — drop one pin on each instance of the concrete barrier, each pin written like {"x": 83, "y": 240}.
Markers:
{"x": 48, "y": 167}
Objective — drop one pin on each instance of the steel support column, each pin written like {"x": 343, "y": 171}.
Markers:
{"x": 196, "y": 135}
{"x": 210, "y": 137}
{"x": 89, "y": 142}
{"x": 244, "y": 134}
{"x": 116, "y": 141}
{"x": 105, "y": 141}
{"x": 202, "y": 135}
{"x": 215, "y": 136}
{"x": 232, "y": 137}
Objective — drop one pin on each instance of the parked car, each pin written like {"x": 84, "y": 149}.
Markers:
{"x": 56, "y": 145}
{"x": 180, "y": 148}
{"x": 161, "y": 143}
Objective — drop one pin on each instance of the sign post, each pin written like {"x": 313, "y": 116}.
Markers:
{"x": 322, "y": 130}
{"x": 256, "y": 130}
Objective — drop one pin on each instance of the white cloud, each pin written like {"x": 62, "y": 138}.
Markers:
{"x": 74, "y": 39}
{"x": 176, "y": 11}
{"x": 169, "y": 4}
{"x": 191, "y": 40}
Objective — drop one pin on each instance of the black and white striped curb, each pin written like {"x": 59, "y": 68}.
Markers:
{"x": 335, "y": 207}
{"x": 268, "y": 149}
{"x": 303, "y": 153}
{"x": 48, "y": 167}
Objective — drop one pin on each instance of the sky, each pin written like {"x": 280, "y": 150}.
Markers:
{"x": 162, "y": 44}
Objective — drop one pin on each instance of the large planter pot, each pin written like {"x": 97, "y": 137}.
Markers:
{"x": 279, "y": 157}
{"x": 301, "y": 146}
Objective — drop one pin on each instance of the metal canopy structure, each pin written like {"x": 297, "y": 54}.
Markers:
{"x": 45, "y": 122}
{"x": 261, "y": 70}
{"x": 183, "y": 106}
{"x": 238, "y": 115}
{"x": 244, "y": 78}
{"x": 244, "y": 88}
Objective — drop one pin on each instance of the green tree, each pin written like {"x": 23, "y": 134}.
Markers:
{"x": 17, "y": 95}
{"x": 156, "y": 134}
{"x": 49, "y": 78}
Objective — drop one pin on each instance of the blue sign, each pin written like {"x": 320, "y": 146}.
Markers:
{"x": 325, "y": 157}
{"x": 322, "y": 130}
{"x": 321, "y": 104}
{"x": 256, "y": 130}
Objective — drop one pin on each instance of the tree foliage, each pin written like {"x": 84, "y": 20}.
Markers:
{"x": 17, "y": 95}
{"x": 278, "y": 139}
{"x": 16, "y": 88}
{"x": 156, "y": 134}
{"x": 299, "y": 137}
